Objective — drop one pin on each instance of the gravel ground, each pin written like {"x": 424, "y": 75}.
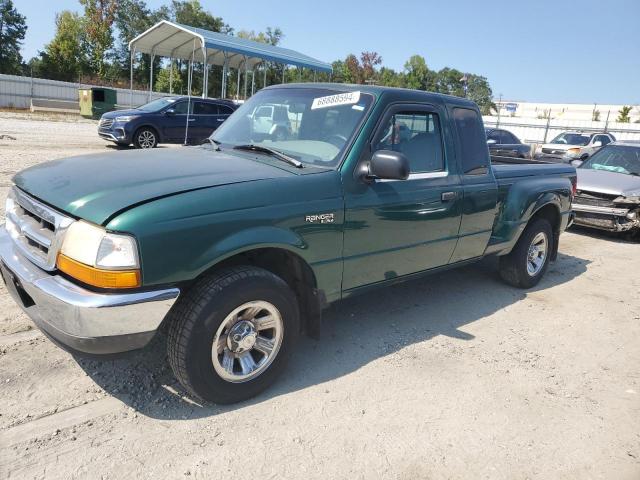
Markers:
{"x": 452, "y": 376}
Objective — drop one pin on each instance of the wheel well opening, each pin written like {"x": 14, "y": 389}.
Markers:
{"x": 552, "y": 215}
{"x": 295, "y": 272}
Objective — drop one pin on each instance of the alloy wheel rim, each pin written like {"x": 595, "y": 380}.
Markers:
{"x": 247, "y": 341}
{"x": 537, "y": 254}
{"x": 146, "y": 139}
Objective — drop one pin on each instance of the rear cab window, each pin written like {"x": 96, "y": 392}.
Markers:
{"x": 474, "y": 154}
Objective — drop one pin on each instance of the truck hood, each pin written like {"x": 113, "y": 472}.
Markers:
{"x": 95, "y": 187}
{"x": 610, "y": 183}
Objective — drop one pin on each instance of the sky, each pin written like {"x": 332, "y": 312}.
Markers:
{"x": 559, "y": 51}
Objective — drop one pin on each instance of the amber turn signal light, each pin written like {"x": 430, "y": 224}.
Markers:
{"x": 98, "y": 277}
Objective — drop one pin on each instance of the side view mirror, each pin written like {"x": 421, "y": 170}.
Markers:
{"x": 491, "y": 141}
{"x": 597, "y": 143}
{"x": 389, "y": 165}
{"x": 170, "y": 111}
{"x": 576, "y": 163}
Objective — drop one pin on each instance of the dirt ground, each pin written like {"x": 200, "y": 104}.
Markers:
{"x": 452, "y": 376}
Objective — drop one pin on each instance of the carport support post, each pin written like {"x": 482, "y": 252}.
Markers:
{"x": 253, "y": 80}
{"x": 153, "y": 57}
{"x": 133, "y": 54}
{"x": 238, "y": 87}
{"x": 223, "y": 92}
{"x": 264, "y": 75}
{"x": 246, "y": 74}
{"x": 284, "y": 69}
{"x": 205, "y": 80}
{"x": 171, "y": 76}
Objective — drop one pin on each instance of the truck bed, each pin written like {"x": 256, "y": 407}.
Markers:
{"x": 506, "y": 168}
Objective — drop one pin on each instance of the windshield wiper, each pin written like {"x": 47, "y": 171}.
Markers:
{"x": 270, "y": 151}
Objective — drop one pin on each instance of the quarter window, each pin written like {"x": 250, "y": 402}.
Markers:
{"x": 416, "y": 135}
{"x": 473, "y": 145}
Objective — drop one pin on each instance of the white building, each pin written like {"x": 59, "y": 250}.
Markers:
{"x": 565, "y": 111}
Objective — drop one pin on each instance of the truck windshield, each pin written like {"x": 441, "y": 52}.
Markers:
{"x": 312, "y": 125}
{"x": 615, "y": 158}
{"x": 571, "y": 139}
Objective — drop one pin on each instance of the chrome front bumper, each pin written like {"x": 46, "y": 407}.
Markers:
{"x": 83, "y": 320}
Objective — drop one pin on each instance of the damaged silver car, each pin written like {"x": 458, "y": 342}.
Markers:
{"x": 608, "y": 192}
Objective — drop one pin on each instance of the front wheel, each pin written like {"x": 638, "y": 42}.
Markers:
{"x": 527, "y": 263}
{"x": 231, "y": 334}
{"x": 145, "y": 138}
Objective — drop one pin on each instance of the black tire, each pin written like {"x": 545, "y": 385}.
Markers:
{"x": 145, "y": 137}
{"x": 199, "y": 313}
{"x": 513, "y": 267}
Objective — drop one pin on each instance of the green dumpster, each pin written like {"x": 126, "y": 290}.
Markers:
{"x": 95, "y": 101}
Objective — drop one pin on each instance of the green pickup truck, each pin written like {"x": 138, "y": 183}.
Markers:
{"x": 235, "y": 247}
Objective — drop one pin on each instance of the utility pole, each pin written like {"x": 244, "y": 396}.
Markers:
{"x": 499, "y": 106}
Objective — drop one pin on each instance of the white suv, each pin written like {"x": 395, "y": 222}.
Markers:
{"x": 570, "y": 146}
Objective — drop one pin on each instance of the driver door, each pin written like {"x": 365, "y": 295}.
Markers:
{"x": 399, "y": 227}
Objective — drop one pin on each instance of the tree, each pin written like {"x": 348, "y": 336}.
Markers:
{"x": 65, "y": 57}
{"x": 369, "y": 61}
{"x": 99, "y": 15}
{"x": 623, "y": 115}
{"x": 417, "y": 74}
{"x": 191, "y": 13}
{"x": 479, "y": 91}
{"x": 352, "y": 71}
{"x": 164, "y": 81}
{"x": 12, "y": 32}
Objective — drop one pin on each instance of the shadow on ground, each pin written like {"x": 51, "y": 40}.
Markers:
{"x": 617, "y": 237}
{"x": 355, "y": 332}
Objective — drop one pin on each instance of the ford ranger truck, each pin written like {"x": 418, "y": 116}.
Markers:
{"x": 235, "y": 247}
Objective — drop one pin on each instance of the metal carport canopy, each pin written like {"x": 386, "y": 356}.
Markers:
{"x": 169, "y": 39}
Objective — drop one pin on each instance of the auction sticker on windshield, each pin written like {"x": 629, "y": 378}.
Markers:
{"x": 347, "y": 98}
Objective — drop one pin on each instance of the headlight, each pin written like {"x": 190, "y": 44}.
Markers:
{"x": 99, "y": 258}
{"x": 573, "y": 151}
{"x": 126, "y": 118}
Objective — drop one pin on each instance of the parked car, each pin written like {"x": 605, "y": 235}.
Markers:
{"x": 236, "y": 247}
{"x": 271, "y": 121}
{"x": 570, "y": 146}
{"x": 608, "y": 194}
{"x": 505, "y": 144}
{"x": 165, "y": 120}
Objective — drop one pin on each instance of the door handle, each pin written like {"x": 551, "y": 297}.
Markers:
{"x": 448, "y": 196}
{"x": 221, "y": 119}
{"x": 192, "y": 119}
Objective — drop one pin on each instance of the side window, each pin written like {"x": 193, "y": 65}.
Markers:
{"x": 494, "y": 135}
{"x": 263, "y": 112}
{"x": 203, "y": 108}
{"x": 509, "y": 138}
{"x": 603, "y": 138}
{"x": 417, "y": 135}
{"x": 180, "y": 108}
{"x": 224, "y": 110}
{"x": 473, "y": 146}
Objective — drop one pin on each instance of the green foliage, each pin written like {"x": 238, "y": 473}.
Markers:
{"x": 66, "y": 56}
{"x": 191, "y": 13}
{"x": 623, "y": 115}
{"x": 99, "y": 15}
{"x": 164, "y": 80}
{"x": 12, "y": 32}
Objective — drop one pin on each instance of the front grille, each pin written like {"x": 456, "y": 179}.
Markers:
{"x": 105, "y": 123}
{"x": 35, "y": 228}
{"x": 594, "y": 199}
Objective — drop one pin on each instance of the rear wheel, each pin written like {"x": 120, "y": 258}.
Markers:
{"x": 527, "y": 263}
{"x": 231, "y": 334}
{"x": 145, "y": 137}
